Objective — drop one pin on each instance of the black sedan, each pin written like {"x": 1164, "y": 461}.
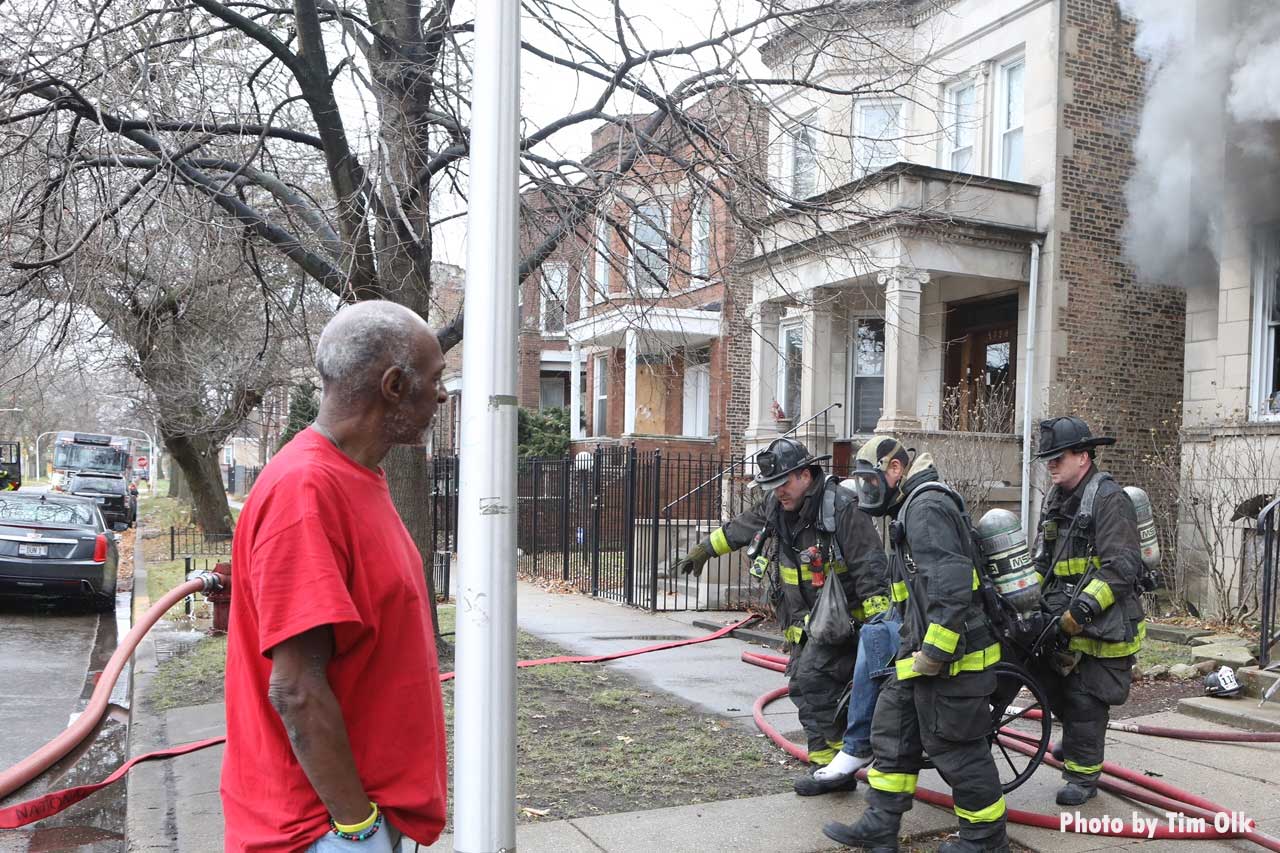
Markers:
{"x": 116, "y": 498}
{"x": 55, "y": 546}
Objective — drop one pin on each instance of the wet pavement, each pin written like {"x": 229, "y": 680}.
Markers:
{"x": 49, "y": 661}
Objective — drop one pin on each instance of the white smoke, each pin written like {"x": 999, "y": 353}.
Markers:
{"x": 1206, "y": 137}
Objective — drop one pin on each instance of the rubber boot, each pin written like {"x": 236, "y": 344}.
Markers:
{"x": 957, "y": 844}
{"x": 876, "y": 830}
{"x": 1075, "y": 794}
{"x": 808, "y": 786}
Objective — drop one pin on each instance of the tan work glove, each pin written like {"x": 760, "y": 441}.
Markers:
{"x": 925, "y": 665}
{"x": 1069, "y": 625}
{"x": 693, "y": 562}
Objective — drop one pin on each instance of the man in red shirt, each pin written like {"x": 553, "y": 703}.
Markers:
{"x": 335, "y": 725}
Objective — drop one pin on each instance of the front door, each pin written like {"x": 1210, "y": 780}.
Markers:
{"x": 980, "y": 363}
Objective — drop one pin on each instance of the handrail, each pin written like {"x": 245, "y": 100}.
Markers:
{"x": 1267, "y": 636}
{"x": 741, "y": 461}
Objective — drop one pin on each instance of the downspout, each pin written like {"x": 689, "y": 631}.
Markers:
{"x": 1028, "y": 394}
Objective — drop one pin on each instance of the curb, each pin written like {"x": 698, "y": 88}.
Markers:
{"x": 750, "y": 635}
{"x": 1242, "y": 713}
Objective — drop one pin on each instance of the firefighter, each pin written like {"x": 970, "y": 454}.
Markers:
{"x": 813, "y": 525}
{"x": 939, "y": 700}
{"x": 1090, "y": 562}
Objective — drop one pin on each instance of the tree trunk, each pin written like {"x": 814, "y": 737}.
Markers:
{"x": 176, "y": 484}
{"x": 409, "y": 479}
{"x": 198, "y": 459}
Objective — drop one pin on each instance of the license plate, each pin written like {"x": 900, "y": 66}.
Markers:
{"x": 33, "y": 550}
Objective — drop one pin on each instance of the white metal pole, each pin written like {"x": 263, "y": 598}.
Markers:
{"x": 484, "y": 788}
{"x": 1028, "y": 382}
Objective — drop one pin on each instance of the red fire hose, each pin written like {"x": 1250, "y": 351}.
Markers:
{"x": 1126, "y": 782}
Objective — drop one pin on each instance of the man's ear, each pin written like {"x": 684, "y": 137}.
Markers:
{"x": 394, "y": 384}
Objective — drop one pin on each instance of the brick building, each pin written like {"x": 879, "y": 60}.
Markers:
{"x": 898, "y": 282}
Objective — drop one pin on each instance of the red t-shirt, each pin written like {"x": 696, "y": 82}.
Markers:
{"x": 319, "y": 543}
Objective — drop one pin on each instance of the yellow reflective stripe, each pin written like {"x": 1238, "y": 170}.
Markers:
{"x": 1101, "y": 593}
{"x": 794, "y": 576}
{"x": 793, "y": 634}
{"x": 837, "y": 745}
{"x": 899, "y": 591}
{"x": 720, "y": 542}
{"x": 822, "y": 757}
{"x": 1075, "y": 566}
{"x": 873, "y": 605}
{"x": 993, "y": 812}
{"x": 1039, "y": 578}
{"x": 972, "y": 662}
{"x": 977, "y": 582}
{"x": 892, "y": 783}
{"x": 1100, "y": 649}
{"x": 942, "y": 637}
{"x": 1082, "y": 769}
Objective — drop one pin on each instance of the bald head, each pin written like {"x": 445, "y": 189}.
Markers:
{"x": 365, "y": 340}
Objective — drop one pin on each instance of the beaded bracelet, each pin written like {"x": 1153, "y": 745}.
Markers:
{"x": 365, "y": 832}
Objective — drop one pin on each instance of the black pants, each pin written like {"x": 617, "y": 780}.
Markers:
{"x": 819, "y": 675}
{"x": 949, "y": 718}
{"x": 1082, "y": 702}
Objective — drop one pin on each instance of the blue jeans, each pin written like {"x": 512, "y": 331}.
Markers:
{"x": 380, "y": 843}
{"x": 877, "y": 647}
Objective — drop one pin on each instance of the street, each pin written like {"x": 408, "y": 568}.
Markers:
{"x": 47, "y": 669}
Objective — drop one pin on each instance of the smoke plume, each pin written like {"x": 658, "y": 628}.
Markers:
{"x": 1206, "y": 148}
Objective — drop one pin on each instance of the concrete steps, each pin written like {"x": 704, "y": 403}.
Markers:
{"x": 1240, "y": 712}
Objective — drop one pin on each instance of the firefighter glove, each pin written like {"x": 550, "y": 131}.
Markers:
{"x": 1070, "y": 625}
{"x": 693, "y": 562}
{"x": 925, "y": 665}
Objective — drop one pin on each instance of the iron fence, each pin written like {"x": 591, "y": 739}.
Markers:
{"x": 1269, "y": 588}
{"x": 194, "y": 542}
{"x": 614, "y": 522}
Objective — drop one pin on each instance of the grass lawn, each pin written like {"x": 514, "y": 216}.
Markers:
{"x": 191, "y": 678}
{"x": 1160, "y": 652}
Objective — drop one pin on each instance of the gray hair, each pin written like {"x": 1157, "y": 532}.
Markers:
{"x": 361, "y": 342}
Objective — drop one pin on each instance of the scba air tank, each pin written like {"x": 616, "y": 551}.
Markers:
{"x": 1009, "y": 563}
{"x": 1147, "y": 539}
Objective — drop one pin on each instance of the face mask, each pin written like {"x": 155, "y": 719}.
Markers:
{"x": 872, "y": 490}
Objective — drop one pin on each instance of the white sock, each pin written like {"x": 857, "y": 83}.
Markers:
{"x": 841, "y": 766}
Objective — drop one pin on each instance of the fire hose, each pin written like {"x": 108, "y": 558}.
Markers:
{"x": 1116, "y": 779}
{"x": 1124, "y": 781}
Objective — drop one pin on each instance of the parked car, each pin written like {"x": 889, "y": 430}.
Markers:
{"x": 115, "y": 496}
{"x": 57, "y": 546}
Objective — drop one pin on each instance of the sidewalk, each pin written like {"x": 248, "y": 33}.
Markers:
{"x": 177, "y": 799}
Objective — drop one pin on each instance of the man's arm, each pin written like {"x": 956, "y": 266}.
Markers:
{"x": 1119, "y": 553}
{"x": 933, "y": 531}
{"x": 868, "y": 586}
{"x": 299, "y": 691}
{"x": 738, "y": 531}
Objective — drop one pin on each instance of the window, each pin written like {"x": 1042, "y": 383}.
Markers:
{"x": 1265, "y": 381}
{"x": 551, "y": 391}
{"x": 802, "y": 159}
{"x": 600, "y": 412}
{"x": 877, "y": 136}
{"x": 649, "y": 264}
{"x": 962, "y": 119}
{"x": 584, "y": 285}
{"x": 602, "y": 259}
{"x": 555, "y": 293}
{"x": 700, "y": 241}
{"x": 1009, "y": 119}
{"x": 978, "y": 365}
{"x": 791, "y": 347}
{"x": 866, "y": 375}
{"x": 697, "y": 393}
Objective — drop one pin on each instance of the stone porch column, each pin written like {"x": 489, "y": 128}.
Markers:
{"x": 815, "y": 373}
{"x": 575, "y": 391}
{"x": 901, "y": 347}
{"x": 629, "y": 403}
{"x": 764, "y": 317}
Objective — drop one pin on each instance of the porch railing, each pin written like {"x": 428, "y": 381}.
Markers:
{"x": 1268, "y": 635}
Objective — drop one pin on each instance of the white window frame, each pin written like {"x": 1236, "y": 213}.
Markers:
{"x": 553, "y": 288}
{"x": 860, "y": 144}
{"x": 700, "y": 230}
{"x": 584, "y": 284}
{"x": 787, "y": 150}
{"x": 1001, "y": 115}
{"x": 786, "y": 325}
{"x": 955, "y": 123}
{"x": 1266, "y": 263}
{"x": 600, "y": 395}
{"x": 851, "y": 371}
{"x": 634, "y": 270}
{"x": 602, "y": 265}
{"x": 696, "y": 399}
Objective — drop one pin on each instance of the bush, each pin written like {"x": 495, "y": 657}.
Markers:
{"x": 543, "y": 433}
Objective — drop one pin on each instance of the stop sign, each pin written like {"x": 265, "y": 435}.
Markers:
{"x": 142, "y": 462}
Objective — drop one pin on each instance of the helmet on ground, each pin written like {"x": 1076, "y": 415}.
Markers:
{"x": 1058, "y": 435}
{"x": 1222, "y": 683}
{"x": 875, "y": 496}
{"x": 776, "y": 462}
